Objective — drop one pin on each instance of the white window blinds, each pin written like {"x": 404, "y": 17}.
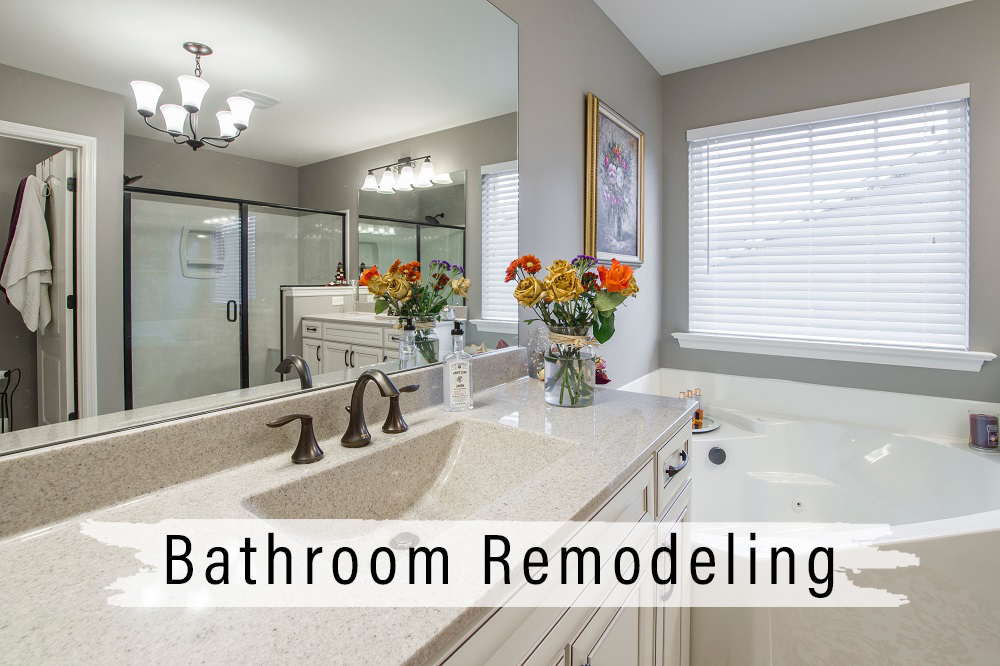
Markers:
{"x": 500, "y": 185}
{"x": 850, "y": 229}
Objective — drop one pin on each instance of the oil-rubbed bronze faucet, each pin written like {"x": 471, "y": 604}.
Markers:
{"x": 357, "y": 434}
{"x": 308, "y": 450}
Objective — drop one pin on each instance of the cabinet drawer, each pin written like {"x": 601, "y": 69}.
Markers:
{"x": 390, "y": 338}
{"x": 370, "y": 336}
{"x": 633, "y": 503}
{"x": 672, "y": 469}
{"x": 312, "y": 329}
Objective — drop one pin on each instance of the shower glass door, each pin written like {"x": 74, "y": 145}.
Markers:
{"x": 185, "y": 297}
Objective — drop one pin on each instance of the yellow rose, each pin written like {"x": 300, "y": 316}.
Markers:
{"x": 565, "y": 287}
{"x": 529, "y": 291}
{"x": 377, "y": 285}
{"x": 560, "y": 267}
{"x": 398, "y": 287}
{"x": 632, "y": 288}
{"x": 461, "y": 286}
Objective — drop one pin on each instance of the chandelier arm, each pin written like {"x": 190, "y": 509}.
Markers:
{"x": 184, "y": 137}
{"x": 210, "y": 140}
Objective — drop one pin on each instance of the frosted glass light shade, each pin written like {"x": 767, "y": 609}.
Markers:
{"x": 174, "y": 116}
{"x": 226, "y": 128}
{"x": 426, "y": 171}
{"x": 240, "y": 108}
{"x": 388, "y": 183}
{"x": 146, "y": 96}
{"x": 193, "y": 92}
{"x": 405, "y": 181}
{"x": 371, "y": 185}
{"x": 442, "y": 179}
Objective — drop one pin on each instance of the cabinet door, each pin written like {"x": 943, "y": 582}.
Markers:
{"x": 336, "y": 356}
{"x": 362, "y": 356}
{"x": 313, "y": 355}
{"x": 673, "y": 620}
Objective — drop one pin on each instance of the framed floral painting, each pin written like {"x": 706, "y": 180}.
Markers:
{"x": 614, "y": 205}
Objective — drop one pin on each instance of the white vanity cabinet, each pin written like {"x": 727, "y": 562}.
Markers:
{"x": 619, "y": 633}
{"x": 329, "y": 347}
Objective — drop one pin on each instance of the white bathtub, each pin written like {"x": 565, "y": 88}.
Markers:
{"x": 941, "y": 499}
{"x": 811, "y": 471}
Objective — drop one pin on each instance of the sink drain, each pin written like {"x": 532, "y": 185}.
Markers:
{"x": 404, "y": 540}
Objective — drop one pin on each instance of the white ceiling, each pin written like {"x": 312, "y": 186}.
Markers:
{"x": 350, "y": 74}
{"x": 674, "y": 35}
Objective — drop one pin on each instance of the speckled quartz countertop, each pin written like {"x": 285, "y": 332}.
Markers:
{"x": 54, "y": 580}
{"x": 363, "y": 318}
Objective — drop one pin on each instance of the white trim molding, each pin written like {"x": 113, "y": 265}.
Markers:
{"x": 941, "y": 359}
{"x": 496, "y": 325}
{"x": 86, "y": 248}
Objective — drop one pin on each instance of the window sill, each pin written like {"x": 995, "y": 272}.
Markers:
{"x": 832, "y": 351}
{"x": 495, "y": 326}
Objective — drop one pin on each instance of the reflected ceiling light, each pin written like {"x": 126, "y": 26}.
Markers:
{"x": 193, "y": 89}
{"x": 388, "y": 183}
{"x": 402, "y": 176}
{"x": 405, "y": 181}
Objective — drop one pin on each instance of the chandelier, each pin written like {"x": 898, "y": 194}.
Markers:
{"x": 193, "y": 89}
{"x": 400, "y": 176}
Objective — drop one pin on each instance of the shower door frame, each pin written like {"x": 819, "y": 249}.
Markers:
{"x": 243, "y": 311}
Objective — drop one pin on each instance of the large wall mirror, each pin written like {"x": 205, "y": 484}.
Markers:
{"x": 205, "y": 224}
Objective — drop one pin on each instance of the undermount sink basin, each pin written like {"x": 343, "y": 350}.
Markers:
{"x": 446, "y": 474}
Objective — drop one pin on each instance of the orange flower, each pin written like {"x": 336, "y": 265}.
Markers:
{"x": 411, "y": 271}
{"x": 512, "y": 270}
{"x": 530, "y": 264}
{"x": 616, "y": 278}
{"x": 368, "y": 275}
{"x": 395, "y": 267}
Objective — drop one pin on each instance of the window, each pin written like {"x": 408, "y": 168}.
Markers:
{"x": 499, "y": 239}
{"x": 842, "y": 226}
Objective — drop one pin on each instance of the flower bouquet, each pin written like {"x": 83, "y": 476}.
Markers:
{"x": 402, "y": 293}
{"x": 571, "y": 300}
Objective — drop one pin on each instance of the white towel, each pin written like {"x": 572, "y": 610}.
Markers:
{"x": 27, "y": 264}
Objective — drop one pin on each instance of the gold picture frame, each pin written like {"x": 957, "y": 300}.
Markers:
{"x": 615, "y": 197}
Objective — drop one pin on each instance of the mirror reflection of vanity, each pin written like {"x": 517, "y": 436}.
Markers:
{"x": 194, "y": 279}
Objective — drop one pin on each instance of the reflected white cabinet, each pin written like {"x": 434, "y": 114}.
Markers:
{"x": 332, "y": 347}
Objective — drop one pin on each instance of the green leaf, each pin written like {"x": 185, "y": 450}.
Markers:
{"x": 380, "y": 306}
{"x": 531, "y": 321}
{"x": 604, "y": 326}
{"x": 605, "y": 301}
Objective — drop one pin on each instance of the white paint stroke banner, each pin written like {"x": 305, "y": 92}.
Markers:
{"x": 364, "y": 563}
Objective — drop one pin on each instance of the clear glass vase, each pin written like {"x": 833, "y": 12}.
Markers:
{"x": 570, "y": 371}
{"x": 426, "y": 338}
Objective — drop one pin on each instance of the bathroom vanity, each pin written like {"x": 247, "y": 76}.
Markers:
{"x": 512, "y": 458}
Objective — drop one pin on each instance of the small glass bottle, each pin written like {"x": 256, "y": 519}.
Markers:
{"x": 457, "y": 374}
{"x": 408, "y": 346}
{"x": 699, "y": 412}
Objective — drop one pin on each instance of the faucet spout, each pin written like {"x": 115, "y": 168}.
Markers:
{"x": 357, "y": 434}
{"x": 301, "y": 367}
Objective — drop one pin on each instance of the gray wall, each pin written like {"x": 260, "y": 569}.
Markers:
{"x": 946, "y": 47}
{"x": 165, "y": 166}
{"x": 334, "y": 184}
{"x": 568, "y": 48}
{"x": 42, "y": 101}
{"x": 17, "y": 343}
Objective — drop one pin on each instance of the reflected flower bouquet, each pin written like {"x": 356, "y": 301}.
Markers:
{"x": 402, "y": 293}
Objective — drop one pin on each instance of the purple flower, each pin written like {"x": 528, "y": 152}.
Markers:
{"x": 582, "y": 259}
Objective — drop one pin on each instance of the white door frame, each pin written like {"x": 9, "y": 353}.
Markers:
{"x": 86, "y": 248}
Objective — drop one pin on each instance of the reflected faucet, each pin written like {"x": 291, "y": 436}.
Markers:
{"x": 357, "y": 434}
{"x": 297, "y": 362}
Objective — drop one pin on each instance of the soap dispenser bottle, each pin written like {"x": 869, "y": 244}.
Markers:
{"x": 457, "y": 374}
{"x": 408, "y": 346}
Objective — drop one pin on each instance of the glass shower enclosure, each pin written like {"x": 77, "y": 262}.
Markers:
{"x": 203, "y": 279}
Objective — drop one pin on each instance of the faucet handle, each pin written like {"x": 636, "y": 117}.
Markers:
{"x": 307, "y": 450}
{"x": 394, "y": 422}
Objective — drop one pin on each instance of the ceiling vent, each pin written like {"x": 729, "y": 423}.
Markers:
{"x": 260, "y": 100}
